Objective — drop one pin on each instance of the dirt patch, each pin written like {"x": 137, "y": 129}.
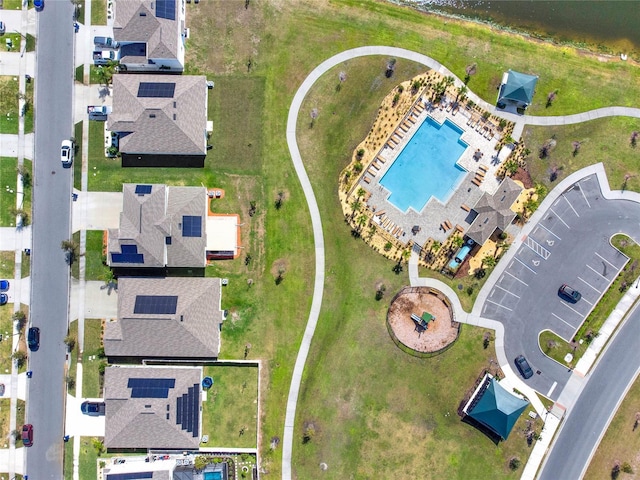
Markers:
{"x": 440, "y": 333}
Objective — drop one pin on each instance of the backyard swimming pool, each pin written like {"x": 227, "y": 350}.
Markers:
{"x": 426, "y": 166}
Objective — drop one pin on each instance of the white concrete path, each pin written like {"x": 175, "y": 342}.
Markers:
{"x": 96, "y": 210}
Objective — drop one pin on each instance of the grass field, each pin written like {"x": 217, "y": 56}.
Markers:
{"x": 90, "y": 368}
{"x": 6, "y": 329}
{"x": 98, "y": 12}
{"x": 365, "y": 396}
{"x": 73, "y": 367}
{"x": 231, "y": 407}
{"x": 8, "y": 177}
{"x": 77, "y": 160}
{"x": 5, "y": 413}
{"x": 88, "y": 467}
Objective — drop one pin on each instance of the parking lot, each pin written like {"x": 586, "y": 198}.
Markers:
{"x": 569, "y": 245}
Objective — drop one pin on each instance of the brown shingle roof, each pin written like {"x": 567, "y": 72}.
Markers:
{"x": 494, "y": 211}
{"x": 136, "y": 21}
{"x": 159, "y": 125}
{"x": 142, "y": 422}
{"x": 146, "y": 220}
{"x": 192, "y": 332}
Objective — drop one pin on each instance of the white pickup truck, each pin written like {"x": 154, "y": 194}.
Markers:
{"x": 103, "y": 57}
{"x": 99, "y": 113}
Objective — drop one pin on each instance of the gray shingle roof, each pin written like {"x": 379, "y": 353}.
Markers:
{"x": 192, "y": 332}
{"x": 136, "y": 21}
{"x": 146, "y": 220}
{"x": 142, "y": 422}
{"x": 158, "y": 125}
{"x": 494, "y": 211}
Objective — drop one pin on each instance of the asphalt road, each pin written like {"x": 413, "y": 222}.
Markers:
{"x": 588, "y": 419}
{"x": 564, "y": 247}
{"x": 51, "y": 225}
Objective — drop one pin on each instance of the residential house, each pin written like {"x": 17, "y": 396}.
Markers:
{"x": 161, "y": 121}
{"x": 151, "y": 34}
{"x": 160, "y": 228}
{"x": 152, "y": 408}
{"x": 165, "y": 318}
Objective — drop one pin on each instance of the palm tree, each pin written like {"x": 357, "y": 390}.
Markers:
{"x": 457, "y": 241}
{"x": 356, "y": 205}
{"x": 361, "y": 192}
{"x": 489, "y": 260}
{"x": 462, "y": 93}
{"x": 362, "y": 221}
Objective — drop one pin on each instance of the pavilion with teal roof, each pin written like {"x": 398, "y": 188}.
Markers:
{"x": 516, "y": 89}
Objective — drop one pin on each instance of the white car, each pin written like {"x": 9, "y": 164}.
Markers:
{"x": 66, "y": 153}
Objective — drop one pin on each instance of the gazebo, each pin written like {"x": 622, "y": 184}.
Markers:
{"x": 494, "y": 407}
{"x": 516, "y": 89}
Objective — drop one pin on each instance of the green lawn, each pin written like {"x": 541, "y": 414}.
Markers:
{"x": 7, "y": 264}
{"x": 77, "y": 161}
{"x": 68, "y": 460}
{"x": 6, "y": 329}
{"x": 91, "y": 387}
{"x": 5, "y": 413}
{"x": 13, "y": 4}
{"x": 98, "y": 12}
{"x": 231, "y": 407}
{"x": 621, "y": 442}
{"x": 95, "y": 269}
{"x": 9, "y": 177}
{"x": 25, "y": 266}
{"x": 73, "y": 367}
{"x": 88, "y": 467}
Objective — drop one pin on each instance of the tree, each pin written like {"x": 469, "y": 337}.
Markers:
{"x": 457, "y": 241}
{"x": 469, "y": 71}
{"x": 634, "y": 138}
{"x": 461, "y": 94}
{"x": 380, "y": 291}
{"x": 551, "y": 98}
{"x": 576, "y": 147}
{"x": 362, "y": 221}
{"x": 280, "y": 276}
{"x": 200, "y": 462}
{"x": 314, "y": 115}
{"x": 490, "y": 261}
{"x": 309, "y": 433}
{"x": 415, "y": 86}
{"x": 391, "y": 67}
{"x": 25, "y": 174}
{"x": 106, "y": 72}
{"x": 511, "y": 167}
{"x": 20, "y": 318}
{"x": 71, "y": 250}
{"x": 387, "y": 246}
{"x": 71, "y": 382}
{"x": 279, "y": 200}
{"x": 19, "y": 357}
{"x": 70, "y": 342}
{"x": 514, "y": 463}
{"x": 23, "y": 221}
{"x": 361, "y": 192}
{"x": 342, "y": 77}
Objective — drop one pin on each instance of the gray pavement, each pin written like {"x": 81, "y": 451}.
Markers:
{"x": 9, "y": 145}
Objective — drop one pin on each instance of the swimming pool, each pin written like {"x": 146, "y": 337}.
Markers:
{"x": 426, "y": 166}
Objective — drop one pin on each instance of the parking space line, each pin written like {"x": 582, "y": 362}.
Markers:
{"x": 597, "y": 273}
{"x": 550, "y": 231}
{"x": 571, "y": 206}
{"x": 524, "y": 265}
{"x": 505, "y": 290}
{"x": 583, "y": 280}
{"x": 562, "y": 320}
{"x": 583, "y": 195}
{"x": 604, "y": 259}
{"x": 558, "y": 216}
{"x": 512, "y": 275}
{"x": 585, "y": 300}
{"x": 553, "y": 387}
{"x": 495, "y": 303}
{"x": 571, "y": 308}
{"x": 537, "y": 248}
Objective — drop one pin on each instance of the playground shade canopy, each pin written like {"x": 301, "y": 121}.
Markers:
{"x": 497, "y": 409}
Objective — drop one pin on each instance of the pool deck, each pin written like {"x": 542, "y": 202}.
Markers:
{"x": 467, "y": 194}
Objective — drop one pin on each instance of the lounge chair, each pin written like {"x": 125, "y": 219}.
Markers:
{"x": 372, "y": 172}
{"x": 459, "y": 229}
{"x": 404, "y": 128}
{"x": 479, "y": 178}
{"x": 465, "y": 207}
{"x": 484, "y": 168}
{"x": 476, "y": 182}
{"x": 380, "y": 159}
{"x": 390, "y": 145}
{"x": 480, "y": 174}
{"x": 367, "y": 180}
{"x": 380, "y": 213}
{"x": 374, "y": 165}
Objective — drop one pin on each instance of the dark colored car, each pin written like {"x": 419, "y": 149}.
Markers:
{"x": 92, "y": 408}
{"x": 33, "y": 338}
{"x": 4, "y": 298}
{"x": 4, "y": 285}
{"x": 27, "y": 435}
{"x": 523, "y": 366}
{"x": 38, "y": 4}
{"x": 569, "y": 293}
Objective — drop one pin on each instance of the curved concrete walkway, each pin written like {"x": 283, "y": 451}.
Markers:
{"x": 520, "y": 121}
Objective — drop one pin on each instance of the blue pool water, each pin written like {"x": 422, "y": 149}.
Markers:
{"x": 212, "y": 475}
{"x": 426, "y": 166}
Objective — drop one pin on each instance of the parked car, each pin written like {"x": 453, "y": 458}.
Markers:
{"x": 523, "y": 366}
{"x": 103, "y": 57}
{"x": 4, "y": 285}
{"x": 38, "y": 4}
{"x": 570, "y": 293}
{"x": 3, "y": 28}
{"x": 33, "y": 339}
{"x": 27, "y": 435}
{"x": 4, "y": 299}
{"x": 66, "y": 153}
{"x": 93, "y": 408}
{"x": 105, "y": 42}
{"x": 2, "y": 389}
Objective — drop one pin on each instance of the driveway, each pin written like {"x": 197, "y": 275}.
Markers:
{"x": 569, "y": 244}
{"x": 78, "y": 424}
{"x": 96, "y": 210}
{"x": 100, "y": 301}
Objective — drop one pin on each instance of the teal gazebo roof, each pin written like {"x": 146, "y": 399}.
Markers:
{"x": 519, "y": 87}
{"x": 498, "y": 409}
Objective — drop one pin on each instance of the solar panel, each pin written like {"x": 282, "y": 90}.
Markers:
{"x": 166, "y": 9}
{"x": 143, "y": 189}
{"x": 191, "y": 226}
{"x": 156, "y": 304}
{"x": 129, "y": 476}
{"x": 156, "y": 90}
{"x": 127, "y": 257}
{"x": 150, "y": 387}
{"x": 195, "y": 410}
{"x": 129, "y": 248}
{"x": 178, "y": 410}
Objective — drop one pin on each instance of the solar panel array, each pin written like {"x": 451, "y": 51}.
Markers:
{"x": 166, "y": 9}
{"x": 151, "y": 387}
{"x": 156, "y": 90}
{"x": 188, "y": 410}
{"x": 129, "y": 254}
{"x": 156, "y": 304}
{"x": 191, "y": 226}
{"x": 130, "y": 476}
{"x": 143, "y": 189}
